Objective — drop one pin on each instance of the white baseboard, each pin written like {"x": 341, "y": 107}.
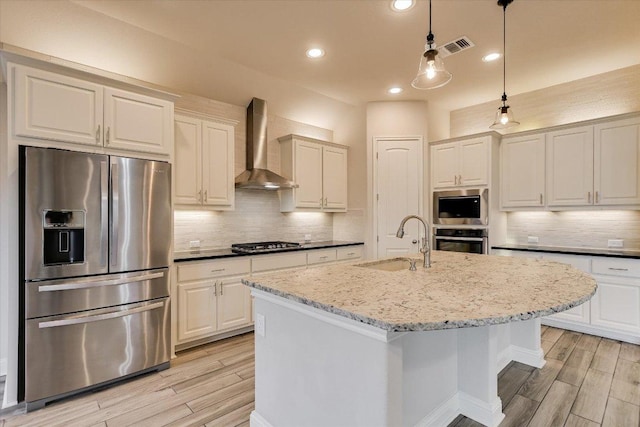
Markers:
{"x": 488, "y": 414}
{"x": 443, "y": 415}
{"x": 256, "y": 420}
{"x": 533, "y": 358}
{"x": 592, "y": 330}
{"x": 3, "y": 367}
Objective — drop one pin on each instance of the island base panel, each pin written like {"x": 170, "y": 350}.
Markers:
{"x": 315, "y": 368}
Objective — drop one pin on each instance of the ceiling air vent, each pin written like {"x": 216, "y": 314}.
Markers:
{"x": 456, "y": 46}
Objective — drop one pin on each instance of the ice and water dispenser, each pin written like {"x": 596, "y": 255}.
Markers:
{"x": 63, "y": 237}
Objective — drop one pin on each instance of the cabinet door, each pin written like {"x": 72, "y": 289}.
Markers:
{"x": 196, "y": 310}
{"x": 51, "y": 106}
{"x": 308, "y": 174}
{"x": 187, "y": 162}
{"x": 522, "y": 171}
{"x": 234, "y": 304}
{"x": 137, "y": 122}
{"x": 617, "y": 163}
{"x": 570, "y": 167}
{"x": 444, "y": 165}
{"x": 616, "y": 304}
{"x": 218, "y": 162}
{"x": 334, "y": 178}
{"x": 581, "y": 313}
{"x": 474, "y": 162}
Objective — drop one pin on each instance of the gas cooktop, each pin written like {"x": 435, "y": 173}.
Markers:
{"x": 261, "y": 247}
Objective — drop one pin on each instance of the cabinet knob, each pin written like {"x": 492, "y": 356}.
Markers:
{"x": 414, "y": 241}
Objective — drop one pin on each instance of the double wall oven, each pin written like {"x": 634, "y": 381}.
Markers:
{"x": 94, "y": 289}
{"x": 461, "y": 220}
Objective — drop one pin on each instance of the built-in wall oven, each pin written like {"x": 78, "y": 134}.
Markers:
{"x": 469, "y": 240}
{"x": 461, "y": 207}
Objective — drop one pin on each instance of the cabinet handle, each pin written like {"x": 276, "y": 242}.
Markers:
{"x": 324, "y": 257}
{"x": 618, "y": 269}
{"x": 455, "y": 179}
{"x": 321, "y": 202}
{"x": 588, "y": 196}
{"x": 200, "y": 195}
{"x": 459, "y": 179}
{"x": 217, "y": 270}
{"x": 326, "y": 201}
{"x": 98, "y": 135}
{"x": 215, "y": 289}
{"x": 108, "y": 132}
{"x": 221, "y": 289}
{"x": 597, "y": 197}
{"x": 351, "y": 254}
{"x": 205, "y": 195}
{"x": 541, "y": 199}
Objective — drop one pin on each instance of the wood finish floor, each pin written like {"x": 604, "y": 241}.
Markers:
{"x": 587, "y": 382}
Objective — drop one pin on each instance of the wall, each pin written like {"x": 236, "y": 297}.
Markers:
{"x": 606, "y": 94}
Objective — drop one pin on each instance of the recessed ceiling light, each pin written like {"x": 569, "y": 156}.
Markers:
{"x": 395, "y": 90}
{"x": 491, "y": 57}
{"x": 315, "y": 53}
{"x": 401, "y": 5}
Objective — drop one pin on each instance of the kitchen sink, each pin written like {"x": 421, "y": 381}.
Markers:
{"x": 394, "y": 264}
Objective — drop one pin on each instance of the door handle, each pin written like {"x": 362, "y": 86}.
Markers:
{"x": 99, "y": 317}
{"x": 115, "y": 204}
{"x": 104, "y": 212}
{"x": 98, "y": 283}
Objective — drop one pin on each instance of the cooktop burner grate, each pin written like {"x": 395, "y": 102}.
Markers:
{"x": 260, "y": 247}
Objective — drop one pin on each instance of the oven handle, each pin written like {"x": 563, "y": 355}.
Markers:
{"x": 461, "y": 239}
{"x": 99, "y": 317}
{"x": 99, "y": 283}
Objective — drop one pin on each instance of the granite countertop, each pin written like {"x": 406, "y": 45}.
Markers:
{"x": 459, "y": 290}
{"x": 608, "y": 252}
{"x": 202, "y": 254}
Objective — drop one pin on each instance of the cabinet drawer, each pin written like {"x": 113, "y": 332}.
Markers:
{"x": 279, "y": 262}
{"x": 212, "y": 269}
{"x": 320, "y": 256}
{"x": 616, "y": 267}
{"x": 349, "y": 252}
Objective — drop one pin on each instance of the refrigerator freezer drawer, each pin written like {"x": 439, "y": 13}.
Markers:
{"x": 68, "y": 353}
{"x": 53, "y": 297}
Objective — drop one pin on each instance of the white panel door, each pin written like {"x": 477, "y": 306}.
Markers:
{"x": 196, "y": 310}
{"x": 570, "y": 167}
{"x": 188, "y": 161}
{"x": 616, "y": 304}
{"x": 522, "y": 171}
{"x": 334, "y": 178}
{"x": 137, "y": 122}
{"x": 399, "y": 172}
{"x": 217, "y": 164}
{"x": 444, "y": 165}
{"x": 581, "y": 313}
{"x": 234, "y": 304}
{"x": 51, "y": 106}
{"x": 308, "y": 174}
{"x": 617, "y": 163}
{"x": 474, "y": 162}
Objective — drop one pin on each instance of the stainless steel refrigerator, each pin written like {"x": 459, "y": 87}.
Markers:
{"x": 94, "y": 286}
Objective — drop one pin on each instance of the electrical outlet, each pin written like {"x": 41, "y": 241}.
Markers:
{"x": 615, "y": 243}
{"x": 194, "y": 244}
{"x": 532, "y": 239}
{"x": 260, "y": 324}
{"x": 307, "y": 238}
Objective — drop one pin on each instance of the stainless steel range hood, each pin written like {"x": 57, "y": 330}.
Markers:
{"x": 258, "y": 176}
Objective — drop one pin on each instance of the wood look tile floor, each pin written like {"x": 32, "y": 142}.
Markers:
{"x": 587, "y": 381}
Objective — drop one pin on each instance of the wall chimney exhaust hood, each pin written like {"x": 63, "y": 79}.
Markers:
{"x": 258, "y": 176}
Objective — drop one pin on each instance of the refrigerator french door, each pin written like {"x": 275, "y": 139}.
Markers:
{"x": 94, "y": 284}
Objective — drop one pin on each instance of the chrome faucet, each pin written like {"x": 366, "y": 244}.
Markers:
{"x": 424, "y": 248}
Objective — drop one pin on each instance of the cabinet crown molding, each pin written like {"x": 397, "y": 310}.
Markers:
{"x": 289, "y": 137}
{"x": 205, "y": 116}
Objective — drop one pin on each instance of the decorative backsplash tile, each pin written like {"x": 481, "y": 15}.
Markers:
{"x": 575, "y": 228}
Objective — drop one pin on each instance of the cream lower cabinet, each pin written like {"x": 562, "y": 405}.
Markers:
{"x": 461, "y": 163}
{"x": 319, "y": 169}
{"x": 522, "y": 171}
{"x": 204, "y": 162}
{"x": 56, "y": 107}
{"x": 212, "y": 298}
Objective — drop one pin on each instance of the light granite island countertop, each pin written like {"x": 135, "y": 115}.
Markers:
{"x": 352, "y": 345}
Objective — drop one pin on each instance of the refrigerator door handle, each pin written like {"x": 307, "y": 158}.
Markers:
{"x": 114, "y": 214}
{"x": 99, "y": 283}
{"x": 104, "y": 212}
{"x": 99, "y": 317}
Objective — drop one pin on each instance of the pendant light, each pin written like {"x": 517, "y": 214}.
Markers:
{"x": 431, "y": 71}
{"x": 504, "y": 116}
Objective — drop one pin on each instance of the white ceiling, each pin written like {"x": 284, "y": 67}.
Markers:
{"x": 371, "y": 48}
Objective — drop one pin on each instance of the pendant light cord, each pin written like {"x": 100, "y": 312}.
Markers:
{"x": 504, "y": 53}
{"x": 430, "y": 36}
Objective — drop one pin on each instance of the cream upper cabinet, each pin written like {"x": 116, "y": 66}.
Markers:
{"x": 204, "y": 161}
{"x": 522, "y": 174}
{"x": 56, "y": 107}
{"x": 320, "y": 171}
{"x": 461, "y": 163}
{"x": 616, "y": 177}
{"x": 570, "y": 167}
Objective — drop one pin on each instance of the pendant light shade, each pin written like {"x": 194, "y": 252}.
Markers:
{"x": 504, "y": 116}
{"x": 431, "y": 71}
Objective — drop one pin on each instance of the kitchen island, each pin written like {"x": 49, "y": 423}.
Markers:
{"x": 374, "y": 344}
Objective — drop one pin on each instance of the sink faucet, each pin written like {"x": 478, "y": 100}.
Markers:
{"x": 424, "y": 248}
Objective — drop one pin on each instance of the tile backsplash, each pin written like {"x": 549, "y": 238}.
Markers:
{"x": 256, "y": 217}
{"x": 575, "y": 228}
